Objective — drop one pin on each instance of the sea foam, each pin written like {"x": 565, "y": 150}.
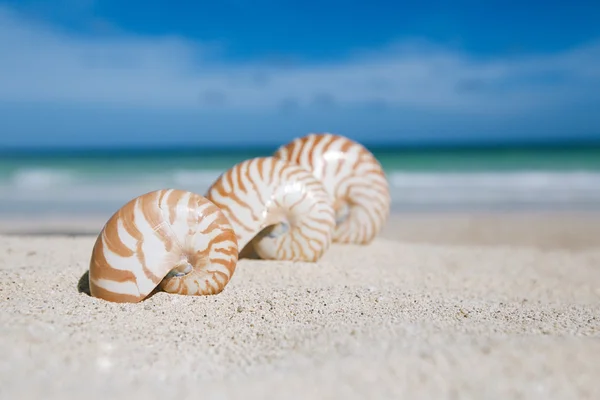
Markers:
{"x": 34, "y": 190}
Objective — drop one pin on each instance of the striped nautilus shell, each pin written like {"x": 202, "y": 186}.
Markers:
{"x": 170, "y": 240}
{"x": 279, "y": 208}
{"x": 352, "y": 176}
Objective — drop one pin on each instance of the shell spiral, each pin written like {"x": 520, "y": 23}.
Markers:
{"x": 167, "y": 239}
{"x": 352, "y": 176}
{"x": 279, "y": 208}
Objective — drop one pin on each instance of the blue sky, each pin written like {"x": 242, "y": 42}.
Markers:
{"x": 107, "y": 72}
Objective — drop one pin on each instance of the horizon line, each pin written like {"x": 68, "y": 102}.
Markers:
{"x": 372, "y": 145}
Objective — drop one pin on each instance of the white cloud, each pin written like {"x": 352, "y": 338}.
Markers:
{"x": 42, "y": 63}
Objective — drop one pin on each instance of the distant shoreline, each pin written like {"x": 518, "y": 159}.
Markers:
{"x": 268, "y": 148}
{"x": 573, "y": 230}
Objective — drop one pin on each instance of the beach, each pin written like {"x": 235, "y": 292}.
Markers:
{"x": 440, "y": 305}
{"x": 456, "y": 143}
{"x": 484, "y": 283}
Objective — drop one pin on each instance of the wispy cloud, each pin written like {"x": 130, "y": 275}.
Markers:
{"x": 41, "y": 63}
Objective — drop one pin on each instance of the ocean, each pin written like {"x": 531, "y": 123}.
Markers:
{"x": 490, "y": 179}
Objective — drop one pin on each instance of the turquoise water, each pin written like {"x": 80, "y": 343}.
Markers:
{"x": 101, "y": 181}
{"x": 510, "y": 159}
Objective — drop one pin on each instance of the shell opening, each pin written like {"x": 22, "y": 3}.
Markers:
{"x": 181, "y": 269}
{"x": 342, "y": 212}
{"x": 274, "y": 231}
{"x": 264, "y": 244}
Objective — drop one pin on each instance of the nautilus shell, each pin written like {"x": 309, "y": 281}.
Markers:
{"x": 352, "y": 176}
{"x": 279, "y": 208}
{"x": 170, "y": 240}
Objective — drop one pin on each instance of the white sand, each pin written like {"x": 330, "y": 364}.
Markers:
{"x": 396, "y": 318}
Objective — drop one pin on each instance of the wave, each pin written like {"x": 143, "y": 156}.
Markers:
{"x": 51, "y": 189}
{"x": 516, "y": 187}
{"x": 41, "y": 178}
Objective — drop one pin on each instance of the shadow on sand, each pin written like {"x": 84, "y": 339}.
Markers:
{"x": 83, "y": 286}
